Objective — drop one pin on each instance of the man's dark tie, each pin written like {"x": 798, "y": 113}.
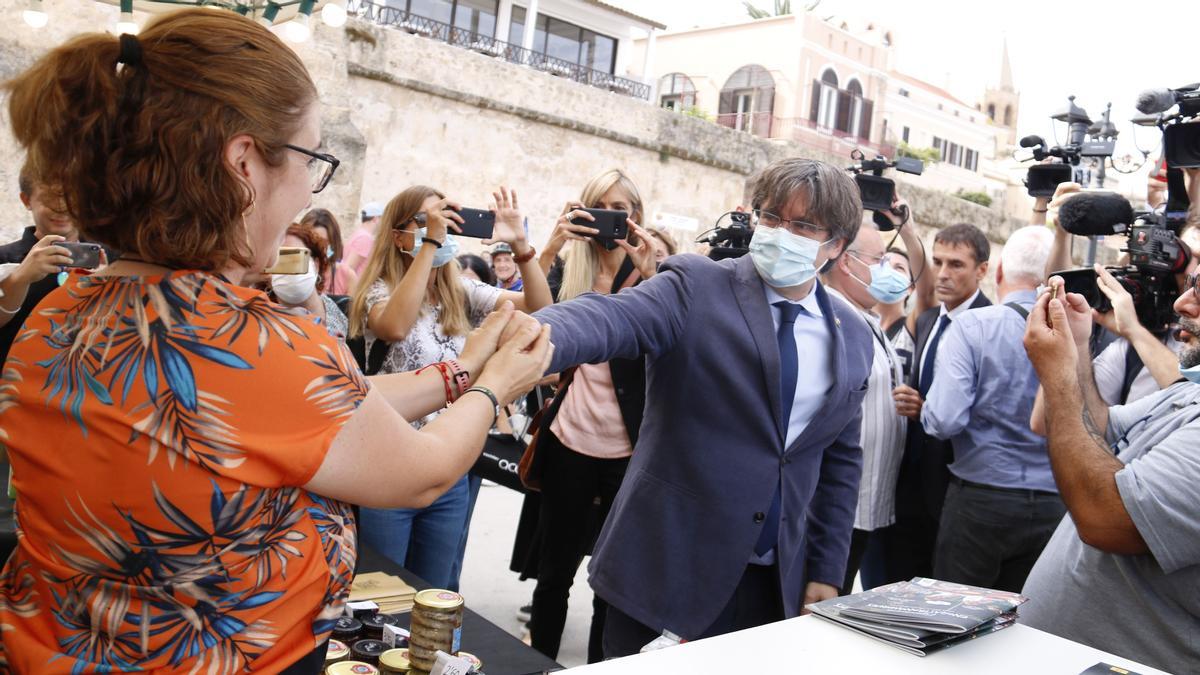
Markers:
{"x": 930, "y": 354}
{"x": 789, "y": 366}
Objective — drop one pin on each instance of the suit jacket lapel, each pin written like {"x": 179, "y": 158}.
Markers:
{"x": 748, "y": 289}
{"x": 837, "y": 391}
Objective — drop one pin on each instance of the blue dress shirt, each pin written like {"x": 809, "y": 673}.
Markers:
{"x": 982, "y": 398}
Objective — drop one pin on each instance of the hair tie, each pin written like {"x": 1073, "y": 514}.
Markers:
{"x": 131, "y": 50}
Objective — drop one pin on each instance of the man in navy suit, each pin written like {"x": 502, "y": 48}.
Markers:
{"x": 739, "y": 501}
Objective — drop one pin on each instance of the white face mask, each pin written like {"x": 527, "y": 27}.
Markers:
{"x": 294, "y": 289}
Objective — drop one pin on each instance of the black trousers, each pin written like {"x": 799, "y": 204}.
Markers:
{"x": 756, "y": 601}
{"x": 990, "y": 537}
{"x": 571, "y": 484}
{"x": 858, "y": 547}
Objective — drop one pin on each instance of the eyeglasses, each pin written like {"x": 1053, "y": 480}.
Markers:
{"x": 1192, "y": 284}
{"x": 868, "y": 260}
{"x": 320, "y": 166}
{"x": 800, "y": 227}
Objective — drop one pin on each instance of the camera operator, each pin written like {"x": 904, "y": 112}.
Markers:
{"x": 1121, "y": 572}
{"x": 901, "y": 328}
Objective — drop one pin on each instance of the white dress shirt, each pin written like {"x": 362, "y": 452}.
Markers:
{"x": 954, "y": 314}
{"x": 814, "y": 349}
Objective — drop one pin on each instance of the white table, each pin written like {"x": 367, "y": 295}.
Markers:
{"x": 808, "y": 644}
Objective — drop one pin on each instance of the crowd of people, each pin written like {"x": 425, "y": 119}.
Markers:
{"x": 729, "y": 441}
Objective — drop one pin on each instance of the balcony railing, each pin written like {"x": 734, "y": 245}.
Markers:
{"x": 385, "y": 15}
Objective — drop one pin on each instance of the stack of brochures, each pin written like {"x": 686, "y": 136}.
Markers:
{"x": 923, "y": 615}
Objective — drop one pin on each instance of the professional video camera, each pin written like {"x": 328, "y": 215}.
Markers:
{"x": 729, "y": 241}
{"x": 1084, "y": 139}
{"x": 1155, "y": 253}
{"x": 879, "y": 192}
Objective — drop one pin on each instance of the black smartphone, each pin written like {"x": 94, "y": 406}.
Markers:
{"x": 612, "y": 225}
{"x": 83, "y": 254}
{"x": 477, "y": 223}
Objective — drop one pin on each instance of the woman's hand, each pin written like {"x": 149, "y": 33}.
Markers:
{"x": 484, "y": 340}
{"x": 1061, "y": 194}
{"x": 45, "y": 258}
{"x": 642, "y": 255}
{"x": 565, "y": 230}
{"x": 441, "y": 217}
{"x": 510, "y": 226}
{"x": 519, "y": 363}
{"x": 1122, "y": 319}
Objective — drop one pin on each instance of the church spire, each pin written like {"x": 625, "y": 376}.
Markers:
{"x": 1006, "y": 81}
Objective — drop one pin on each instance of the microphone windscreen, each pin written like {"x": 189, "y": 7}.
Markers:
{"x": 1032, "y": 141}
{"x": 1095, "y": 213}
{"x": 1154, "y": 101}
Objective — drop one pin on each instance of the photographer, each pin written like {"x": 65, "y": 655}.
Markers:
{"x": 1121, "y": 572}
{"x": 413, "y": 296}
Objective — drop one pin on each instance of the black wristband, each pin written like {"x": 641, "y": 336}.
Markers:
{"x": 491, "y": 396}
{"x": 431, "y": 240}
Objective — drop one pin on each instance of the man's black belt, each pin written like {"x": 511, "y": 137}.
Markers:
{"x": 997, "y": 488}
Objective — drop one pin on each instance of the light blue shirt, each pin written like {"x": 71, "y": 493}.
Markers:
{"x": 814, "y": 348}
{"x": 983, "y": 396}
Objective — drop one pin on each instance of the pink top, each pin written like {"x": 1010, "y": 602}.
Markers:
{"x": 341, "y": 281}
{"x": 360, "y": 242}
{"x": 589, "y": 420}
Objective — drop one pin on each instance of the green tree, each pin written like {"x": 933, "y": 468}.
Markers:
{"x": 782, "y": 8}
{"x": 980, "y": 198}
{"x": 927, "y": 155}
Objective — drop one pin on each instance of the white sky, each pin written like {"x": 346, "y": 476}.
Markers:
{"x": 1101, "y": 51}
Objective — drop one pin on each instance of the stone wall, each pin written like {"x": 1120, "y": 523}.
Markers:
{"x": 399, "y": 109}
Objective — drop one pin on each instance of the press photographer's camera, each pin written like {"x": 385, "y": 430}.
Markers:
{"x": 1156, "y": 255}
{"x": 878, "y": 192}
{"x": 1085, "y": 139}
{"x": 731, "y": 240}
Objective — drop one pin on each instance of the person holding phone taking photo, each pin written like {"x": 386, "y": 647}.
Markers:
{"x": 413, "y": 296}
{"x": 588, "y": 434}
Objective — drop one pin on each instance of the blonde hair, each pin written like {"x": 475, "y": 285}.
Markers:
{"x": 582, "y": 259}
{"x": 389, "y": 264}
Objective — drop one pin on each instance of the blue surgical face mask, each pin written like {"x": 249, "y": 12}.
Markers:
{"x": 1192, "y": 374}
{"x": 888, "y": 285}
{"x": 784, "y": 259}
{"x": 443, "y": 255}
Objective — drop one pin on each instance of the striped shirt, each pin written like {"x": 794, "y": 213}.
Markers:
{"x": 883, "y": 432}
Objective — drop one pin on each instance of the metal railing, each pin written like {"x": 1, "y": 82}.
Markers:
{"x": 385, "y": 15}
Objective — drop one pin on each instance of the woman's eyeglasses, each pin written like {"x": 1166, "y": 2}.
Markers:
{"x": 320, "y": 165}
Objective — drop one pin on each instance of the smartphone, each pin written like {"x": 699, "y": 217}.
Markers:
{"x": 612, "y": 225}
{"x": 83, "y": 254}
{"x": 292, "y": 260}
{"x": 477, "y": 223}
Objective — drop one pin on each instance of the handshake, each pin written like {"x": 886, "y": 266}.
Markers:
{"x": 510, "y": 351}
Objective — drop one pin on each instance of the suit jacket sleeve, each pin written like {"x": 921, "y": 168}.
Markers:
{"x": 645, "y": 319}
{"x": 831, "y": 512}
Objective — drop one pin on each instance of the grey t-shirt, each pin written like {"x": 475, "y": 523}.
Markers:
{"x": 1142, "y": 607}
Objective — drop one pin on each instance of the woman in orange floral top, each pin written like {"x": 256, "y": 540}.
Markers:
{"x": 183, "y": 449}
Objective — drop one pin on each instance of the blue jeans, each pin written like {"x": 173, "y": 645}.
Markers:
{"x": 425, "y": 541}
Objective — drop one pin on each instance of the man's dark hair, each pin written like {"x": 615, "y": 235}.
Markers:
{"x": 965, "y": 234}
{"x": 833, "y": 197}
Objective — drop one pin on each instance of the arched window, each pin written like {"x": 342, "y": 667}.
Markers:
{"x": 825, "y": 99}
{"x": 748, "y": 100}
{"x": 676, "y": 92}
{"x": 855, "y": 117}
{"x": 1008, "y": 120}
{"x": 992, "y": 111}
